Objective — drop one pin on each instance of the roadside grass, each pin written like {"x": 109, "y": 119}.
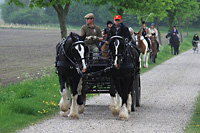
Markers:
{"x": 194, "y": 125}
{"x": 25, "y": 103}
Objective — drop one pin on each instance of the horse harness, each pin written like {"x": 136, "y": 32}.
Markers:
{"x": 60, "y": 50}
{"x": 127, "y": 53}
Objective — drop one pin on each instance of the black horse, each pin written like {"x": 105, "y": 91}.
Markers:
{"x": 70, "y": 64}
{"x": 125, "y": 65}
{"x": 174, "y": 42}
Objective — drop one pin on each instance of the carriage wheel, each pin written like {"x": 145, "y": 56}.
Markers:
{"x": 133, "y": 94}
{"x": 138, "y": 90}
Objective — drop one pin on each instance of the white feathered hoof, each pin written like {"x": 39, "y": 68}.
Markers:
{"x": 114, "y": 109}
{"x": 74, "y": 108}
{"x": 123, "y": 114}
{"x": 80, "y": 109}
{"x": 64, "y": 101}
{"x": 129, "y": 103}
{"x": 64, "y": 114}
{"x": 73, "y": 116}
{"x": 64, "y": 104}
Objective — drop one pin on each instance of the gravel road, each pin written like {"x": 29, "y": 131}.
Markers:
{"x": 168, "y": 95}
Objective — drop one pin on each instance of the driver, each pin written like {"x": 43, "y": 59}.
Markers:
{"x": 92, "y": 33}
{"x": 119, "y": 29}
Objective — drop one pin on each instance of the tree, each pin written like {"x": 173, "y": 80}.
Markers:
{"x": 14, "y": 14}
{"x": 153, "y": 10}
{"x": 61, "y": 7}
{"x": 187, "y": 11}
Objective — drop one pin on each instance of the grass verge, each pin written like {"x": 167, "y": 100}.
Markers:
{"x": 194, "y": 125}
{"x": 27, "y": 102}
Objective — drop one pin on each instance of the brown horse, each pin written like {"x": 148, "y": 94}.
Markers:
{"x": 142, "y": 45}
{"x": 153, "y": 54}
{"x": 104, "y": 50}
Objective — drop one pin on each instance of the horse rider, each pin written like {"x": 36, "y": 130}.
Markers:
{"x": 175, "y": 32}
{"x": 119, "y": 29}
{"x": 144, "y": 31}
{"x": 92, "y": 32}
{"x": 194, "y": 40}
{"x": 153, "y": 30}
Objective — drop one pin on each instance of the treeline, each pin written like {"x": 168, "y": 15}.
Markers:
{"x": 29, "y": 16}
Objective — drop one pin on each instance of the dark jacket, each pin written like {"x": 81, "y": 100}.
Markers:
{"x": 122, "y": 31}
{"x": 176, "y": 31}
{"x": 195, "y": 38}
{"x": 107, "y": 31}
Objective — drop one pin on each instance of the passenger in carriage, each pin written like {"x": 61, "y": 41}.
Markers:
{"x": 106, "y": 34}
{"x": 144, "y": 31}
{"x": 92, "y": 32}
{"x": 106, "y": 31}
{"x": 119, "y": 29}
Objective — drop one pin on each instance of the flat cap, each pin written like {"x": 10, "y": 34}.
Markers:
{"x": 89, "y": 15}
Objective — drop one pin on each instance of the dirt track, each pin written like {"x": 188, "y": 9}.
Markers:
{"x": 25, "y": 51}
{"x": 168, "y": 94}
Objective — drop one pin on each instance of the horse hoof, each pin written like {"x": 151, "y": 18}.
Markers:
{"x": 123, "y": 115}
{"x": 80, "y": 109}
{"x": 64, "y": 114}
{"x": 73, "y": 116}
{"x": 114, "y": 110}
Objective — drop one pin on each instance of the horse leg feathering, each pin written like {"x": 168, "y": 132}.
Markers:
{"x": 64, "y": 103}
{"x": 123, "y": 114}
{"x": 74, "y": 108}
{"x": 80, "y": 105}
{"x": 113, "y": 106}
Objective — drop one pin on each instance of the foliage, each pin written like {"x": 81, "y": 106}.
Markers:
{"x": 188, "y": 11}
{"x": 17, "y": 15}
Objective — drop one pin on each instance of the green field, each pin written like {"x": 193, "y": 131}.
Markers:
{"x": 25, "y": 103}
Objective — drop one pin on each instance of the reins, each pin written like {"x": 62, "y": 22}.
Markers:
{"x": 62, "y": 43}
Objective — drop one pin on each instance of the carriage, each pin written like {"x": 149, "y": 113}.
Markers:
{"x": 96, "y": 80}
{"x": 85, "y": 72}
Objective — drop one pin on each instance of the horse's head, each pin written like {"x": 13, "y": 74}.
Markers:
{"x": 79, "y": 50}
{"x": 169, "y": 34}
{"x": 141, "y": 43}
{"x": 153, "y": 37}
{"x": 117, "y": 48}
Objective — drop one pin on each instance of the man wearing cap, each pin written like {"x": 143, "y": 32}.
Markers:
{"x": 120, "y": 29}
{"x": 144, "y": 31}
{"x": 92, "y": 33}
{"x": 153, "y": 30}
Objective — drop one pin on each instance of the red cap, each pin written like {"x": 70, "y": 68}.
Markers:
{"x": 117, "y": 17}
